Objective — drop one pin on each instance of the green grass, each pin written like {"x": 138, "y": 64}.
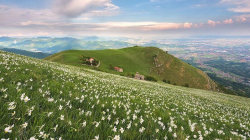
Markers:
{"x": 141, "y": 59}
{"x": 108, "y": 102}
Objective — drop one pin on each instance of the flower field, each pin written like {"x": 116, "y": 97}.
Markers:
{"x": 46, "y": 100}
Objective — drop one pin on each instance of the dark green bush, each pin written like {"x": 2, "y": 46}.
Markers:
{"x": 150, "y": 78}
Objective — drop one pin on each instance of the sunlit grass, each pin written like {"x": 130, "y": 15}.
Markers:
{"x": 44, "y": 100}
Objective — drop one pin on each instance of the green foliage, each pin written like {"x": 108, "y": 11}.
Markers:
{"x": 166, "y": 81}
{"x": 186, "y": 85}
{"x": 150, "y": 78}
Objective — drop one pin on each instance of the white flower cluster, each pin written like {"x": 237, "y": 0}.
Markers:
{"x": 53, "y": 101}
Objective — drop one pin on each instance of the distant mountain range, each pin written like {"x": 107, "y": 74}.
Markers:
{"x": 38, "y": 55}
{"x": 54, "y": 45}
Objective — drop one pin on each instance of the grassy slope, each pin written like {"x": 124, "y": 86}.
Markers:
{"x": 111, "y": 102}
{"x": 141, "y": 59}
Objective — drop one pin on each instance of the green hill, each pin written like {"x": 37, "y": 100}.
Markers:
{"x": 47, "y": 100}
{"x": 148, "y": 61}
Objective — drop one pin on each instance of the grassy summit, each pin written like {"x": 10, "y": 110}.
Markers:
{"x": 46, "y": 100}
{"x": 149, "y": 61}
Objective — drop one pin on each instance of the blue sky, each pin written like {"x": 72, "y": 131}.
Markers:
{"x": 130, "y": 18}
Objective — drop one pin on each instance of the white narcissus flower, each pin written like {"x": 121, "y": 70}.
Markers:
{"x": 84, "y": 124}
{"x": 1, "y": 79}
{"x": 174, "y": 135}
{"x": 8, "y": 129}
{"x": 18, "y": 84}
{"x": 26, "y": 99}
{"x": 62, "y": 117}
{"x": 121, "y": 130}
{"x": 5, "y": 139}
{"x": 97, "y": 124}
{"x": 33, "y": 138}
{"x": 170, "y": 129}
{"x": 141, "y": 120}
{"x": 12, "y": 105}
{"x": 96, "y": 138}
{"x": 3, "y": 89}
{"x": 12, "y": 114}
{"x": 22, "y": 97}
{"x": 129, "y": 126}
{"x": 25, "y": 125}
{"x": 50, "y": 99}
{"x": 60, "y": 107}
{"x": 117, "y": 137}
{"x": 55, "y": 128}
{"x": 141, "y": 130}
{"x": 49, "y": 114}
{"x": 114, "y": 129}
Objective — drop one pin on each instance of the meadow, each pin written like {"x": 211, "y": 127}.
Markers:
{"x": 46, "y": 100}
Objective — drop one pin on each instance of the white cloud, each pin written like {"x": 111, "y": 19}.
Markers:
{"x": 239, "y": 6}
{"x": 228, "y": 21}
{"x": 14, "y": 16}
{"x": 75, "y": 8}
{"x": 16, "y": 21}
{"x": 213, "y": 23}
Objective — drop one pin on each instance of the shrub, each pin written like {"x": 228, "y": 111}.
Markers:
{"x": 186, "y": 85}
{"x": 166, "y": 81}
{"x": 150, "y": 78}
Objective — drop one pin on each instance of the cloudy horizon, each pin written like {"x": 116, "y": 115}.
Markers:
{"x": 146, "y": 18}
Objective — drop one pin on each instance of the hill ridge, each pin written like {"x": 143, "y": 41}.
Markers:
{"x": 143, "y": 60}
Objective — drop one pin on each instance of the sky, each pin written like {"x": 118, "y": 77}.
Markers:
{"x": 156, "y": 19}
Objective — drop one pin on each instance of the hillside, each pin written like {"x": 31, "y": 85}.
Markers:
{"x": 45, "y": 100}
{"x": 148, "y": 61}
{"x": 38, "y": 55}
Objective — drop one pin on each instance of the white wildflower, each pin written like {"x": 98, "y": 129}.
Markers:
{"x": 117, "y": 137}
{"x": 12, "y": 105}
{"x": 121, "y": 130}
{"x": 96, "y": 138}
{"x": 8, "y": 129}
{"x": 33, "y": 138}
{"x": 24, "y": 125}
{"x": 170, "y": 129}
{"x": 60, "y": 107}
{"x": 84, "y": 124}
{"x": 49, "y": 114}
{"x": 174, "y": 135}
{"x": 141, "y": 120}
{"x": 114, "y": 129}
{"x": 62, "y": 117}
{"x": 26, "y": 99}
{"x": 141, "y": 130}
{"x": 50, "y": 99}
